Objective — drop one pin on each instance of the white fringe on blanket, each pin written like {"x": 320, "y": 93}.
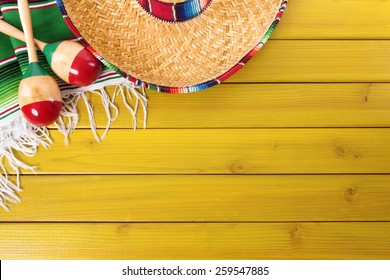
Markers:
{"x": 20, "y": 136}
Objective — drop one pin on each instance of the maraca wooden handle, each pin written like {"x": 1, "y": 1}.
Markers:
{"x": 39, "y": 96}
{"x": 69, "y": 60}
{"x": 12, "y": 31}
{"x": 25, "y": 18}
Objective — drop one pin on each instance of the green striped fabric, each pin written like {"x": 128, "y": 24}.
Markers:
{"x": 10, "y": 74}
{"x": 49, "y": 27}
{"x": 15, "y": 133}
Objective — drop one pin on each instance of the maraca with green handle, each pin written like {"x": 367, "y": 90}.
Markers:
{"x": 70, "y": 61}
{"x": 39, "y": 96}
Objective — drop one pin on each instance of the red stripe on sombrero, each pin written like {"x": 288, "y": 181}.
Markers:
{"x": 132, "y": 79}
{"x": 161, "y": 10}
{"x": 231, "y": 72}
{"x": 174, "y": 12}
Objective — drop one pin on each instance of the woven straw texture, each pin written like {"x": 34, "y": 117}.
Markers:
{"x": 173, "y": 54}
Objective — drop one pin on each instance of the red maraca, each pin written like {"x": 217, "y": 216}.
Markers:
{"x": 71, "y": 62}
{"x": 39, "y": 96}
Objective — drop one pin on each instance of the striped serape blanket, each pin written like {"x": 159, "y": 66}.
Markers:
{"x": 16, "y": 134}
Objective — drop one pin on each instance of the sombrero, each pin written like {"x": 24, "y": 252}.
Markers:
{"x": 173, "y": 46}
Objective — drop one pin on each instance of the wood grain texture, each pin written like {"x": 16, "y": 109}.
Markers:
{"x": 196, "y": 241}
{"x": 315, "y": 61}
{"x": 194, "y": 198}
{"x": 220, "y": 151}
{"x": 259, "y": 106}
{"x": 318, "y": 61}
{"x": 287, "y": 160}
{"x": 326, "y": 19}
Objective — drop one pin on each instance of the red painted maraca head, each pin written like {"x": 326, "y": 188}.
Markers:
{"x": 73, "y": 63}
{"x": 85, "y": 69}
{"x": 39, "y": 96}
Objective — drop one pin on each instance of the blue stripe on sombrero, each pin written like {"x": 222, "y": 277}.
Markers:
{"x": 174, "y": 12}
{"x": 185, "y": 89}
{"x": 188, "y": 10}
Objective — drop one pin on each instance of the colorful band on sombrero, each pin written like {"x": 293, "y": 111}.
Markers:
{"x": 174, "y": 12}
{"x": 185, "y": 89}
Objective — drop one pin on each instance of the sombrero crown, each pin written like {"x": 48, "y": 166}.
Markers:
{"x": 174, "y": 45}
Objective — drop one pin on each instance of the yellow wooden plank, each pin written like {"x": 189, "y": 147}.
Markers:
{"x": 195, "y": 241}
{"x": 219, "y": 151}
{"x": 259, "y": 105}
{"x": 202, "y": 198}
{"x": 319, "y": 61}
{"x": 328, "y": 19}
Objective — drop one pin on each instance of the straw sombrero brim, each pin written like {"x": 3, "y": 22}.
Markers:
{"x": 174, "y": 57}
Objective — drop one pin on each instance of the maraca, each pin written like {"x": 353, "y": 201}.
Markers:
{"x": 39, "y": 96}
{"x": 71, "y": 62}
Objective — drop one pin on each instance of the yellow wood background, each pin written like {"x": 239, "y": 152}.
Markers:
{"x": 288, "y": 160}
